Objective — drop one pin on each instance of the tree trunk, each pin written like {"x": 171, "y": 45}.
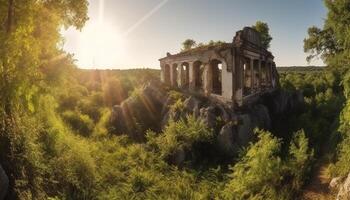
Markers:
{"x": 7, "y": 133}
{"x": 9, "y": 24}
{"x": 9, "y": 16}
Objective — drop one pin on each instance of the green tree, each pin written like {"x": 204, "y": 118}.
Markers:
{"x": 188, "y": 44}
{"x": 29, "y": 41}
{"x": 263, "y": 29}
{"x": 331, "y": 43}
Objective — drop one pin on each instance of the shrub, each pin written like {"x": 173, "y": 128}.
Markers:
{"x": 79, "y": 122}
{"x": 113, "y": 92}
{"x": 102, "y": 126}
{"x": 300, "y": 159}
{"x": 262, "y": 174}
{"x": 258, "y": 173}
{"x": 342, "y": 167}
{"x": 181, "y": 135}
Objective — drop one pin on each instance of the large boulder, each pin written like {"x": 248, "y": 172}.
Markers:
{"x": 139, "y": 112}
{"x": 4, "y": 182}
{"x": 178, "y": 158}
{"x": 335, "y": 183}
{"x": 260, "y": 117}
{"x": 245, "y": 130}
{"x": 344, "y": 191}
{"x": 281, "y": 102}
{"x": 227, "y": 140}
{"x": 192, "y": 104}
{"x": 208, "y": 116}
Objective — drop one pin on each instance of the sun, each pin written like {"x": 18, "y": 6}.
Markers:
{"x": 100, "y": 45}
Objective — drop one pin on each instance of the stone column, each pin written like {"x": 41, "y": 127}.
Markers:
{"x": 180, "y": 74}
{"x": 260, "y": 75}
{"x": 241, "y": 78}
{"x": 252, "y": 74}
{"x": 162, "y": 74}
{"x": 207, "y": 79}
{"x": 269, "y": 74}
{"x": 173, "y": 75}
{"x": 192, "y": 81}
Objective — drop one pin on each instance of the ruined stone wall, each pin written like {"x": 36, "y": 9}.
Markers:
{"x": 234, "y": 72}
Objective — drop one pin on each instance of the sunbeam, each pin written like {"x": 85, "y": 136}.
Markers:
{"x": 144, "y": 18}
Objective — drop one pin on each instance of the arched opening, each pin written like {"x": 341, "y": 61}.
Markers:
{"x": 185, "y": 75}
{"x": 247, "y": 77}
{"x": 166, "y": 74}
{"x": 215, "y": 74}
{"x": 174, "y": 75}
{"x": 198, "y": 69}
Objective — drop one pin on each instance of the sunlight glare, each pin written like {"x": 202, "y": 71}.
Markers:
{"x": 100, "y": 44}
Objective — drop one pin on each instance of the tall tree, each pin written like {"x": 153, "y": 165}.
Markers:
{"x": 188, "y": 44}
{"x": 29, "y": 39}
{"x": 264, "y": 30}
{"x": 332, "y": 42}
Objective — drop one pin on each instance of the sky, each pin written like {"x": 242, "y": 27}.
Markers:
{"x": 124, "y": 34}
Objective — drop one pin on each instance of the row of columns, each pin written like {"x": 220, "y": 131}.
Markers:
{"x": 257, "y": 68}
{"x": 254, "y": 75}
{"x": 192, "y": 75}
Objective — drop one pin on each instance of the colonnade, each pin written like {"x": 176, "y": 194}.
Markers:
{"x": 257, "y": 75}
{"x": 195, "y": 75}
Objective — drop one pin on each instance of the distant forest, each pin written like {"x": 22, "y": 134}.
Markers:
{"x": 284, "y": 69}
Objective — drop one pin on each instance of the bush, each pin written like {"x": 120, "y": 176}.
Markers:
{"x": 262, "y": 174}
{"x": 342, "y": 167}
{"x": 103, "y": 125}
{"x": 180, "y": 135}
{"x": 257, "y": 175}
{"x": 79, "y": 122}
{"x": 300, "y": 159}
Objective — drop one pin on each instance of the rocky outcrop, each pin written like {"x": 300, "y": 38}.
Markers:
{"x": 3, "y": 183}
{"x": 281, "y": 102}
{"x": 153, "y": 109}
{"x": 335, "y": 183}
{"x": 228, "y": 140}
{"x": 139, "y": 112}
{"x": 344, "y": 190}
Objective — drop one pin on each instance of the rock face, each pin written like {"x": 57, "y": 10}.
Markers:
{"x": 139, "y": 112}
{"x": 281, "y": 102}
{"x": 335, "y": 183}
{"x": 344, "y": 190}
{"x": 3, "y": 183}
{"x": 228, "y": 140}
{"x": 151, "y": 109}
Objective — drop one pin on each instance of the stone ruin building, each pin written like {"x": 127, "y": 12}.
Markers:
{"x": 238, "y": 72}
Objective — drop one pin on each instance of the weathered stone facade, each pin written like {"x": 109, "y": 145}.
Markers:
{"x": 236, "y": 72}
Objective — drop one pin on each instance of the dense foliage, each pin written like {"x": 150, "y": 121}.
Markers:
{"x": 56, "y": 141}
{"x": 263, "y": 29}
{"x": 331, "y": 43}
{"x": 68, "y": 152}
{"x": 263, "y": 173}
